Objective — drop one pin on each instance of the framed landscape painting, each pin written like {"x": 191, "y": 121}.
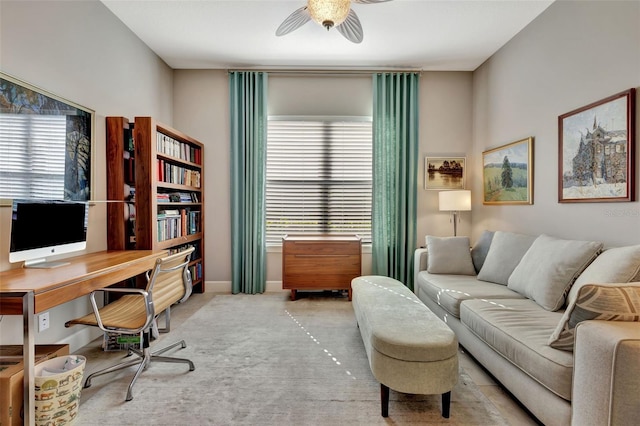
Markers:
{"x": 444, "y": 172}
{"x": 507, "y": 173}
{"x": 596, "y": 151}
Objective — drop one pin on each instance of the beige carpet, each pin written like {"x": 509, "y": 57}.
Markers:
{"x": 265, "y": 360}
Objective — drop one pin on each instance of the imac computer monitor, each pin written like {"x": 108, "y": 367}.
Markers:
{"x": 41, "y": 228}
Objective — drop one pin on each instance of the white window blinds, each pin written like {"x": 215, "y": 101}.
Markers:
{"x": 31, "y": 166}
{"x": 318, "y": 176}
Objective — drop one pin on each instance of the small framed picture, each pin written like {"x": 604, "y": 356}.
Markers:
{"x": 596, "y": 152}
{"x": 507, "y": 173}
{"x": 444, "y": 172}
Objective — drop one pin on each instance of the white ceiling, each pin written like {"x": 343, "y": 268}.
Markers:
{"x": 451, "y": 35}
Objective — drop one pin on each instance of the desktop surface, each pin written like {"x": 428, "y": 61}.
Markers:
{"x": 83, "y": 274}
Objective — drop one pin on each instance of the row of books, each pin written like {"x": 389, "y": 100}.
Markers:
{"x": 177, "y": 223}
{"x": 177, "y": 197}
{"x": 197, "y": 254}
{"x": 196, "y": 271}
{"x": 171, "y": 173}
{"x": 169, "y": 146}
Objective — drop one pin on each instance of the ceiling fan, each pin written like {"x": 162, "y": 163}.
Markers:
{"x": 329, "y": 14}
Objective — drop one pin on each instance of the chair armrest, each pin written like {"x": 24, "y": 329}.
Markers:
{"x": 606, "y": 373}
{"x": 148, "y": 305}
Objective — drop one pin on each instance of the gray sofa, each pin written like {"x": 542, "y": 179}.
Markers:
{"x": 555, "y": 321}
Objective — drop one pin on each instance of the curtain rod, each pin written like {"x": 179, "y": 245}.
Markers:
{"x": 324, "y": 71}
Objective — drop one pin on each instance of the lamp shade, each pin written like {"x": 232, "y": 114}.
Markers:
{"x": 329, "y": 13}
{"x": 454, "y": 200}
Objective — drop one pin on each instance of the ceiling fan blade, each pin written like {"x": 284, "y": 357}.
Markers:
{"x": 369, "y": 1}
{"x": 351, "y": 28}
{"x": 294, "y": 21}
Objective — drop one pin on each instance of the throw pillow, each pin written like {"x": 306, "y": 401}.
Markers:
{"x": 449, "y": 255}
{"x": 549, "y": 267}
{"x": 596, "y": 302}
{"x": 505, "y": 252}
{"x": 480, "y": 249}
{"x": 614, "y": 265}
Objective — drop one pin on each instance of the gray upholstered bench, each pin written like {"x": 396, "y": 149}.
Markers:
{"x": 410, "y": 349}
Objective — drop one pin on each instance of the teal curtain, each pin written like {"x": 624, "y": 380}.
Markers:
{"x": 248, "y": 112}
{"x": 395, "y": 165}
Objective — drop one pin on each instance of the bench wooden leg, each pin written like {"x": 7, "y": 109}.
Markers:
{"x": 446, "y": 404}
{"x": 384, "y": 400}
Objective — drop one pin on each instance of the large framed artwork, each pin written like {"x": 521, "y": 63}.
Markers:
{"x": 46, "y": 144}
{"x": 596, "y": 151}
{"x": 507, "y": 173}
{"x": 444, "y": 172}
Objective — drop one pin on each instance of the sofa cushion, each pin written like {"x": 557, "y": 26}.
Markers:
{"x": 449, "y": 255}
{"x": 449, "y": 291}
{"x": 518, "y": 330}
{"x": 596, "y": 302}
{"x": 549, "y": 267}
{"x": 613, "y": 265}
{"x": 505, "y": 252}
{"x": 480, "y": 249}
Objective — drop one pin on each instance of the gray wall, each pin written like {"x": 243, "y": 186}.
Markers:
{"x": 81, "y": 52}
{"x": 201, "y": 110}
{"x": 573, "y": 54}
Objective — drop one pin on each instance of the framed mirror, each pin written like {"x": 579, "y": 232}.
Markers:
{"x": 45, "y": 144}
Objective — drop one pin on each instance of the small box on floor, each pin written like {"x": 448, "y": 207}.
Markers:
{"x": 12, "y": 375}
{"x": 121, "y": 342}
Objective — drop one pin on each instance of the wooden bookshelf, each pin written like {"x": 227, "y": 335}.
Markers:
{"x": 169, "y": 190}
{"x": 120, "y": 160}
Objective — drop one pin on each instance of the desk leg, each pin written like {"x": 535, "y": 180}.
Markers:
{"x": 28, "y": 354}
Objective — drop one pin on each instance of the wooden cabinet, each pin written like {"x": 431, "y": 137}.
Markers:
{"x": 320, "y": 262}
{"x": 163, "y": 178}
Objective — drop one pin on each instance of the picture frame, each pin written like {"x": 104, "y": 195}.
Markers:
{"x": 444, "y": 173}
{"x": 61, "y": 136}
{"x": 507, "y": 173}
{"x": 596, "y": 151}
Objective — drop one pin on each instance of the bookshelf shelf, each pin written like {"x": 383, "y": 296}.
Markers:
{"x": 166, "y": 244}
{"x": 168, "y": 214}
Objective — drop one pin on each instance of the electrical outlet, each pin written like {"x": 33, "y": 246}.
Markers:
{"x": 43, "y": 321}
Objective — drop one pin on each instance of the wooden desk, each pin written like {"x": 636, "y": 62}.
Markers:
{"x": 28, "y": 292}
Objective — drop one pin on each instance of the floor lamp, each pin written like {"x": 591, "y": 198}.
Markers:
{"x": 454, "y": 202}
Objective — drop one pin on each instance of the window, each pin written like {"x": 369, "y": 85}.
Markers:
{"x": 318, "y": 176}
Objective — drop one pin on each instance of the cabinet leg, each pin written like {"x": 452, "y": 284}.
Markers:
{"x": 349, "y": 293}
{"x": 384, "y": 400}
{"x": 293, "y": 294}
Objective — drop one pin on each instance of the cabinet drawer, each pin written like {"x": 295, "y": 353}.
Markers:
{"x": 319, "y": 282}
{"x": 321, "y": 247}
{"x": 321, "y": 265}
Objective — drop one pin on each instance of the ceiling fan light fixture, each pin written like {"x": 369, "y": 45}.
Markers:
{"x": 329, "y": 13}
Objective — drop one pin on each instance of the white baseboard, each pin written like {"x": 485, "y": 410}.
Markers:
{"x": 82, "y": 337}
{"x": 225, "y": 287}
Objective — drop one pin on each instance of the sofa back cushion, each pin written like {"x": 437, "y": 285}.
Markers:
{"x": 505, "y": 252}
{"x": 549, "y": 267}
{"x": 597, "y": 302}
{"x": 449, "y": 255}
{"x": 480, "y": 249}
{"x": 613, "y": 265}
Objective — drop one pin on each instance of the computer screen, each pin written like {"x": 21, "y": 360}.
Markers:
{"x": 41, "y": 228}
